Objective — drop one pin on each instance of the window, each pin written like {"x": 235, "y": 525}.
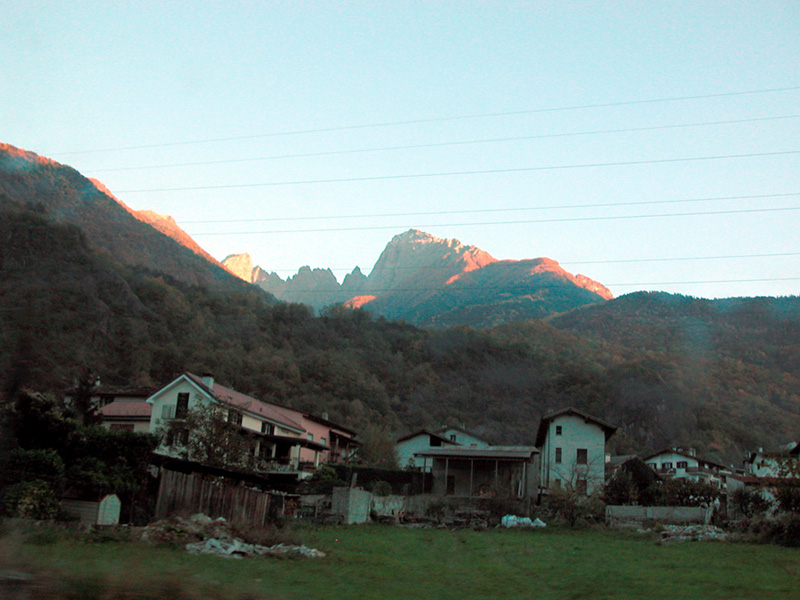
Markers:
{"x": 558, "y": 429}
{"x": 556, "y": 483}
{"x": 122, "y": 426}
{"x": 234, "y": 417}
{"x": 267, "y": 428}
{"x": 168, "y": 411}
{"x": 666, "y": 465}
{"x": 581, "y": 487}
{"x": 435, "y": 442}
{"x": 310, "y": 437}
{"x": 183, "y": 406}
{"x": 323, "y": 441}
{"x": 583, "y": 457}
{"x": 452, "y": 437}
{"x": 558, "y": 456}
{"x": 682, "y": 464}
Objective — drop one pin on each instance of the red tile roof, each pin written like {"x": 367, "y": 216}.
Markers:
{"x": 129, "y": 410}
{"x": 247, "y": 403}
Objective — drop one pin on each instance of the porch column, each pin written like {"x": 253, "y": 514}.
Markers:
{"x": 446, "y": 469}
{"x": 496, "y": 465}
{"x": 471, "y": 469}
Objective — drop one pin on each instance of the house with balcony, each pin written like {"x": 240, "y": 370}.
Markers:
{"x": 280, "y": 439}
{"x": 409, "y": 447}
{"x": 679, "y": 463}
{"x": 481, "y": 471}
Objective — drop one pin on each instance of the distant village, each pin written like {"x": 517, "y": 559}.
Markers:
{"x": 286, "y": 448}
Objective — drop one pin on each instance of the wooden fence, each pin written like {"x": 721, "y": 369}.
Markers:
{"x": 198, "y": 493}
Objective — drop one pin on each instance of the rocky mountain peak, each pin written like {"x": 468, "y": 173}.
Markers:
{"x": 240, "y": 265}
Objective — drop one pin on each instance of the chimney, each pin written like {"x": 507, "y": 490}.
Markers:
{"x": 325, "y": 416}
{"x": 208, "y": 381}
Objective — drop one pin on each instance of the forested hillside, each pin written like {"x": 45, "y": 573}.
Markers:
{"x": 722, "y": 376}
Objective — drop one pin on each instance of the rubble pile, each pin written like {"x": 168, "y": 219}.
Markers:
{"x": 691, "y": 533}
{"x": 236, "y": 548}
{"x": 201, "y": 534}
{"x": 181, "y": 530}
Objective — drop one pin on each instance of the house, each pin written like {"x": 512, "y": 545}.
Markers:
{"x": 409, "y": 446}
{"x": 572, "y": 451}
{"x": 678, "y": 463}
{"x": 126, "y": 415}
{"x": 278, "y": 436}
{"x": 772, "y": 464}
{"x": 488, "y": 471}
{"x": 340, "y": 442}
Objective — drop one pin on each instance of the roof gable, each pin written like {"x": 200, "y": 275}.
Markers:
{"x": 427, "y": 433}
{"x": 545, "y": 421}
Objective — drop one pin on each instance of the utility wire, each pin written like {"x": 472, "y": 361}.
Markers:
{"x": 439, "y": 144}
{"x": 435, "y": 120}
{"x": 516, "y": 222}
{"x": 493, "y": 210}
{"x": 459, "y": 173}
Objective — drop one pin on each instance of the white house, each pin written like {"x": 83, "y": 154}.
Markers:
{"x": 409, "y": 446}
{"x": 772, "y": 464}
{"x": 677, "y": 463}
{"x": 572, "y": 451}
{"x": 276, "y": 438}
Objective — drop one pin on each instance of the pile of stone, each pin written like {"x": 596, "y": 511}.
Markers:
{"x": 236, "y": 548}
{"x": 201, "y": 534}
{"x": 692, "y": 533}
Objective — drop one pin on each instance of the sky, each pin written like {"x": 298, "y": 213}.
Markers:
{"x": 647, "y": 145}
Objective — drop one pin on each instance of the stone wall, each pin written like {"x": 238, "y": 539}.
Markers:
{"x": 616, "y": 515}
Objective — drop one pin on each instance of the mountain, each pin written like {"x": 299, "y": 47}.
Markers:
{"x": 426, "y": 280}
{"x": 719, "y": 375}
{"x": 136, "y": 238}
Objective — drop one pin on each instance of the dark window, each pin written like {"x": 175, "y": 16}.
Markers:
{"x": 558, "y": 455}
{"x": 234, "y": 417}
{"x": 435, "y": 441}
{"x": 183, "y": 406}
{"x": 122, "y": 426}
{"x": 267, "y": 428}
{"x": 452, "y": 437}
{"x": 558, "y": 429}
{"x": 682, "y": 464}
{"x": 666, "y": 465}
{"x": 583, "y": 456}
{"x": 451, "y": 485}
{"x": 580, "y": 487}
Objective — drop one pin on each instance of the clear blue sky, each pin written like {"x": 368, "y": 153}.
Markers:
{"x": 124, "y": 91}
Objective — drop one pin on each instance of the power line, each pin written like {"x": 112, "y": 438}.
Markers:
{"x": 516, "y": 222}
{"x": 460, "y": 173}
{"x": 436, "y": 120}
{"x": 494, "y": 210}
{"x": 440, "y": 144}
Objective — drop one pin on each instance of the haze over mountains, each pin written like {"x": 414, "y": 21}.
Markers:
{"x": 431, "y": 281}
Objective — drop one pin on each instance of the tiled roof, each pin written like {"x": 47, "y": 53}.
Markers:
{"x": 247, "y": 403}
{"x": 129, "y": 410}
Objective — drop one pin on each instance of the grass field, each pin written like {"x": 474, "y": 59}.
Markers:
{"x": 385, "y": 562}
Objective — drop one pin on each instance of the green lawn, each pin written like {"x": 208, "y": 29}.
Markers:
{"x": 385, "y": 562}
